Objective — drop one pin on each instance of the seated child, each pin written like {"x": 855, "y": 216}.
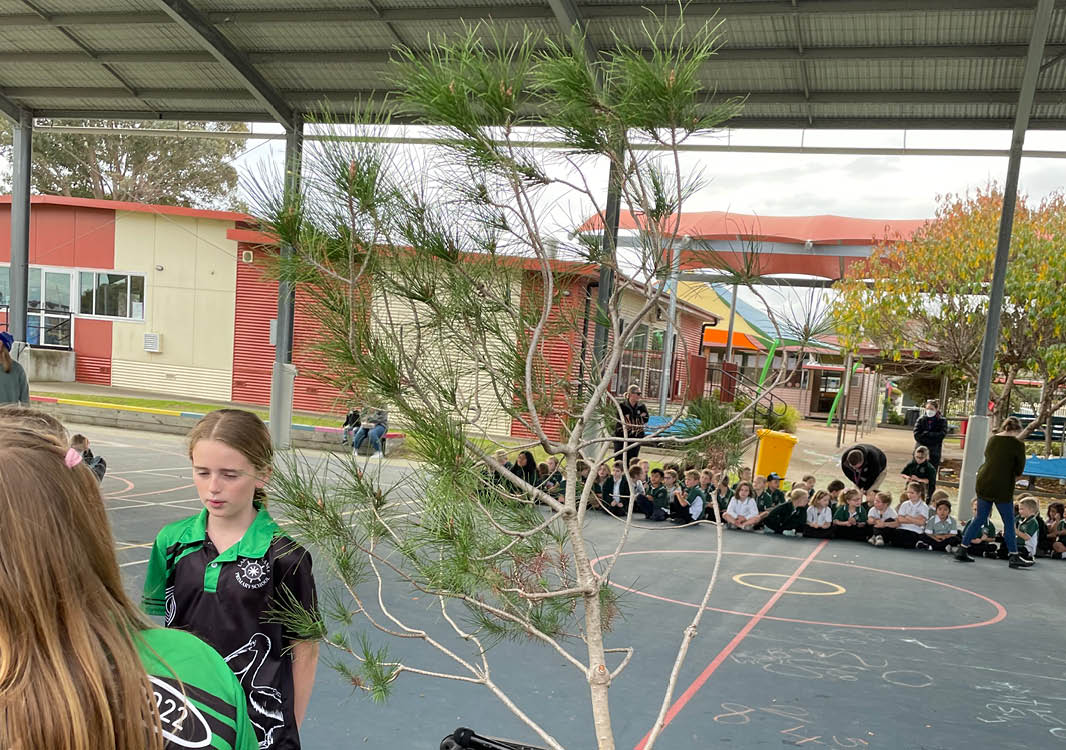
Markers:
{"x": 882, "y": 519}
{"x": 850, "y": 520}
{"x": 745, "y": 476}
{"x": 637, "y": 492}
{"x": 835, "y": 488}
{"x": 742, "y": 512}
{"x": 596, "y": 491}
{"x": 1028, "y": 527}
{"x": 772, "y": 496}
{"x": 96, "y": 464}
{"x": 645, "y": 470}
{"x": 687, "y": 506}
{"x": 789, "y": 517}
{"x": 707, "y": 482}
{"x": 913, "y": 514}
{"x": 819, "y": 517}
{"x": 984, "y": 544}
{"x": 616, "y": 492}
{"x": 555, "y": 477}
{"x": 920, "y": 470}
{"x": 869, "y": 498}
{"x": 719, "y": 499}
{"x": 807, "y": 483}
{"x": 941, "y": 530}
{"x": 1055, "y": 539}
{"x": 656, "y": 503}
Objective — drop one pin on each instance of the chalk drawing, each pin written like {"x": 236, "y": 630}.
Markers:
{"x": 1012, "y": 703}
{"x": 833, "y": 664}
{"x": 803, "y": 733}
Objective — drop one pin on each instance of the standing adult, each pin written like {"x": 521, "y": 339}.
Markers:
{"x": 930, "y": 431}
{"x": 634, "y": 417}
{"x": 1004, "y": 463}
{"x": 14, "y": 387}
{"x": 865, "y": 465}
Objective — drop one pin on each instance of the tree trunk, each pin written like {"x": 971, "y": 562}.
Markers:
{"x": 599, "y": 675}
{"x": 1047, "y": 432}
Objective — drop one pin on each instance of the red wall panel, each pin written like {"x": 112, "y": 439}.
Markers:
{"x": 253, "y": 355}
{"x": 92, "y": 351}
{"x": 64, "y": 236}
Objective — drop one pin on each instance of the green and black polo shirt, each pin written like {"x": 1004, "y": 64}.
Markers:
{"x": 787, "y": 516}
{"x": 201, "y": 703}
{"x": 1031, "y": 527}
{"x": 659, "y": 497}
{"x": 843, "y": 513}
{"x": 225, "y": 600}
{"x": 769, "y": 499}
{"x": 923, "y": 470}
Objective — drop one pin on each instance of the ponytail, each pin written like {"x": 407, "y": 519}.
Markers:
{"x": 5, "y": 358}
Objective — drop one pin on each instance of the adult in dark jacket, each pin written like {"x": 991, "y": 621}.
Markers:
{"x": 930, "y": 431}
{"x": 1004, "y": 463}
{"x": 634, "y": 417}
{"x": 864, "y": 465}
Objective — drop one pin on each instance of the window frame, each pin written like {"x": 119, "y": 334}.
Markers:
{"x": 128, "y": 318}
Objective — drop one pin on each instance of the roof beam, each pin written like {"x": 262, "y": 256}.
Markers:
{"x": 381, "y": 57}
{"x": 739, "y": 9}
{"x": 976, "y": 96}
{"x": 10, "y": 108}
{"x": 199, "y": 27}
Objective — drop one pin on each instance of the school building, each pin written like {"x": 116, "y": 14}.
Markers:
{"x": 173, "y": 300}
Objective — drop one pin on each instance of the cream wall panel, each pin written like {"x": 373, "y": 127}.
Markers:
{"x": 191, "y": 302}
{"x": 190, "y": 382}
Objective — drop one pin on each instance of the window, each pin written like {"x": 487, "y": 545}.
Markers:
{"x": 112, "y": 295}
{"x": 48, "y": 306}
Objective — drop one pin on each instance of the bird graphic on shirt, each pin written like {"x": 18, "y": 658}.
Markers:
{"x": 264, "y": 702}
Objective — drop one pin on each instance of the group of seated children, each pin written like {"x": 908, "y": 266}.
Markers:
{"x": 752, "y": 504}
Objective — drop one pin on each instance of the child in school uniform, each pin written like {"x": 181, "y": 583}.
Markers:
{"x": 742, "y": 512}
{"x": 922, "y": 471}
{"x": 743, "y": 476}
{"x": 850, "y": 520}
{"x": 1056, "y": 530}
{"x": 834, "y": 489}
{"x": 772, "y": 496}
{"x": 720, "y": 498}
{"x": 222, "y": 573}
{"x": 789, "y": 518}
{"x": 554, "y": 485}
{"x": 941, "y": 530}
{"x": 882, "y": 519}
{"x": 869, "y": 499}
{"x": 707, "y": 482}
{"x": 1028, "y": 527}
{"x": 758, "y": 488}
{"x": 687, "y": 505}
{"x": 984, "y": 544}
{"x": 616, "y": 492}
{"x": 654, "y": 502}
{"x": 913, "y": 513}
{"x": 807, "y": 483}
{"x": 819, "y": 523}
{"x": 636, "y": 490}
{"x": 96, "y": 464}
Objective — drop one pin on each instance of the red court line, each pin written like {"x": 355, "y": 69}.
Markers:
{"x": 694, "y": 688}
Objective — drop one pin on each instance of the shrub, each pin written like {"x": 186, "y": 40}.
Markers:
{"x": 723, "y": 447}
{"x": 781, "y": 417}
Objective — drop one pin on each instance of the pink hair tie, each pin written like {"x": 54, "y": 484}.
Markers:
{"x": 73, "y": 458}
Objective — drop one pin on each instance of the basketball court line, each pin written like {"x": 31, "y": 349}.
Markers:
{"x": 730, "y": 647}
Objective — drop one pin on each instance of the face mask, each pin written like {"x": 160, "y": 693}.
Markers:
{"x": 930, "y": 412}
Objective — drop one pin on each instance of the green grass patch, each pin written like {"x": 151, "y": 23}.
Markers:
{"x": 188, "y": 406}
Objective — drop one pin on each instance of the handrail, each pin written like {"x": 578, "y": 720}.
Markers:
{"x": 764, "y": 402}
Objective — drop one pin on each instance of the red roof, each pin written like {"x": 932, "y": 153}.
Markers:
{"x": 821, "y": 230}
{"x": 149, "y": 208}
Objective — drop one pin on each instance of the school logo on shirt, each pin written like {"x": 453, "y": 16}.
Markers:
{"x": 252, "y": 574}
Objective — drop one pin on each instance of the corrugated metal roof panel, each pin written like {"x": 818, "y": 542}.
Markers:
{"x": 176, "y": 75}
{"x": 317, "y": 77}
{"x": 91, "y": 6}
{"x": 884, "y": 29}
{"x": 58, "y": 75}
{"x": 355, "y": 35}
{"x": 136, "y": 38}
{"x": 27, "y": 38}
{"x": 915, "y": 74}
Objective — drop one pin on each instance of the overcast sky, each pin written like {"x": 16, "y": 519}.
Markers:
{"x": 882, "y": 187}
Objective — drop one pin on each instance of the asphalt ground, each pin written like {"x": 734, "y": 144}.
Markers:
{"x": 805, "y": 643}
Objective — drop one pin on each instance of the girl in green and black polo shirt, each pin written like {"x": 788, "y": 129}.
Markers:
{"x": 219, "y": 574}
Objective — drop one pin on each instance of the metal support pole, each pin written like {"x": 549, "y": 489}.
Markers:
{"x": 666, "y": 382}
{"x": 845, "y": 387}
{"x": 977, "y": 432}
{"x": 732, "y": 321}
{"x": 22, "y": 153}
{"x": 944, "y": 393}
{"x": 284, "y": 374}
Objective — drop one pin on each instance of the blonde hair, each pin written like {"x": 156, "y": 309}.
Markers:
{"x": 798, "y": 495}
{"x": 818, "y": 495}
{"x": 885, "y": 497}
{"x": 937, "y": 496}
{"x": 692, "y": 474}
{"x": 242, "y": 431}
{"x": 70, "y": 674}
{"x": 1031, "y": 503}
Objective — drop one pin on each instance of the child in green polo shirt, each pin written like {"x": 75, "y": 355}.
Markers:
{"x": 1056, "y": 530}
{"x": 720, "y": 498}
{"x": 1028, "y": 526}
{"x": 789, "y": 517}
{"x": 850, "y": 520}
{"x": 984, "y": 543}
{"x": 920, "y": 470}
{"x": 222, "y": 573}
{"x": 80, "y": 662}
{"x": 772, "y": 496}
{"x": 687, "y": 506}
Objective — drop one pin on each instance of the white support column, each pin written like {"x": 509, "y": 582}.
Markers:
{"x": 20, "y": 228}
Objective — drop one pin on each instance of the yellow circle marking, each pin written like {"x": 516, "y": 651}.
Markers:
{"x": 837, "y": 589}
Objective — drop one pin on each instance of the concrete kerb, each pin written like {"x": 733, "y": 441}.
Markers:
{"x": 179, "y": 423}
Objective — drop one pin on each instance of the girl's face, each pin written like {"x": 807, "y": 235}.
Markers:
{"x": 743, "y": 491}
{"x": 552, "y": 464}
{"x": 225, "y": 480}
{"x": 912, "y": 494}
{"x": 521, "y": 460}
{"x": 854, "y": 501}
{"x": 880, "y": 504}
{"x": 601, "y": 472}
{"x": 1053, "y": 514}
{"x": 822, "y": 501}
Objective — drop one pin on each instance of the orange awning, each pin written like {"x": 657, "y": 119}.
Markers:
{"x": 716, "y": 337}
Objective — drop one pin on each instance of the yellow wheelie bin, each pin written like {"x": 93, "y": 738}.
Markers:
{"x": 774, "y": 452}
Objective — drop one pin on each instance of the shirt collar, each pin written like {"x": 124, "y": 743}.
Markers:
{"x": 255, "y": 542}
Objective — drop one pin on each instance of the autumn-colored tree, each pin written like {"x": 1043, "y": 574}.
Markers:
{"x": 180, "y": 170}
{"x": 925, "y": 300}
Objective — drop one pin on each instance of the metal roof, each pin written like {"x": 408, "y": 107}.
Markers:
{"x": 805, "y": 63}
